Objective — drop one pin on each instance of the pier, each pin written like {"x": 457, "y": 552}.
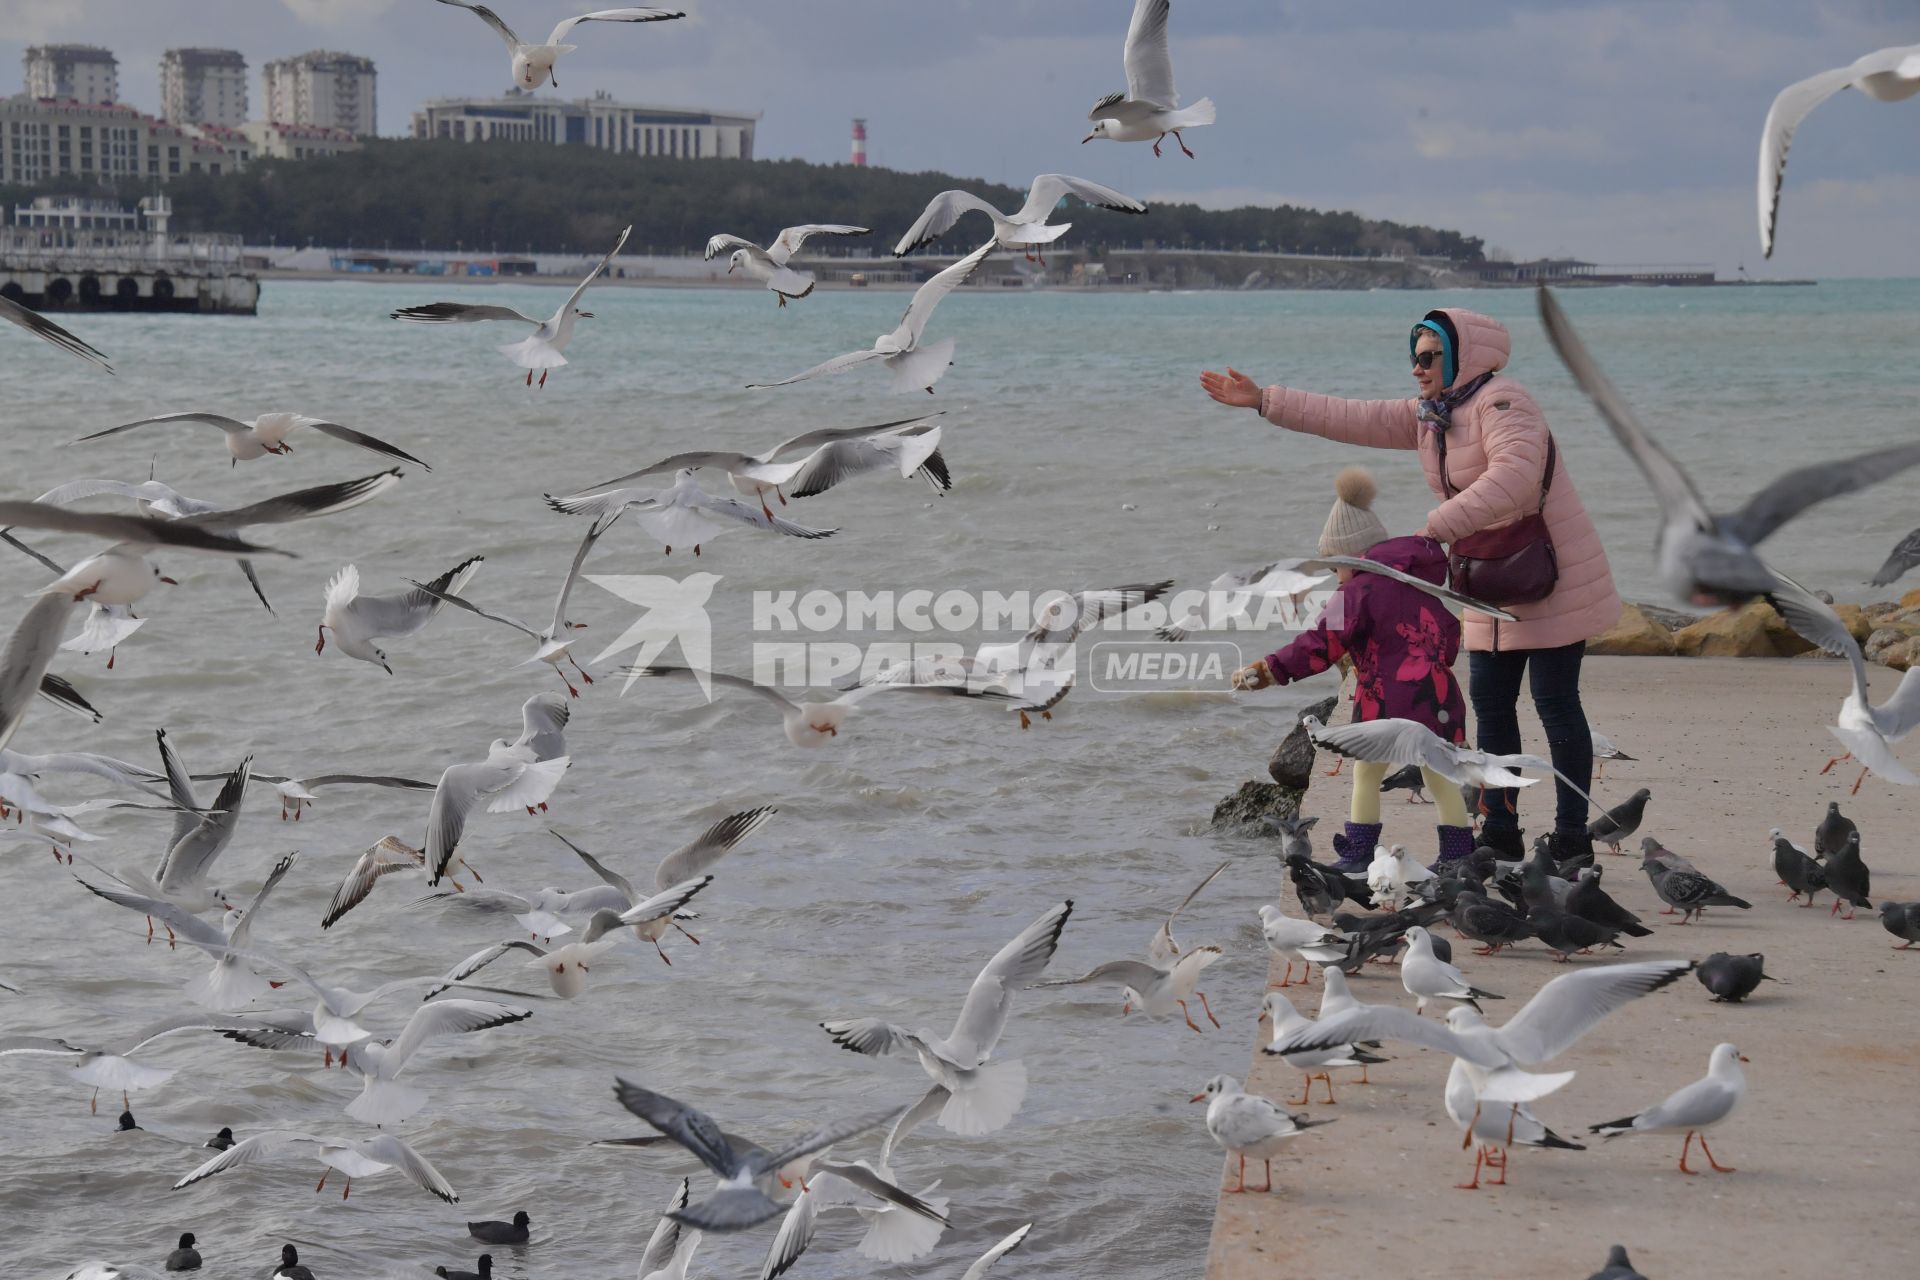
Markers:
{"x": 73, "y": 256}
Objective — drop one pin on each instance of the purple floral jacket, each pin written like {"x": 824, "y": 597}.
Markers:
{"x": 1402, "y": 641}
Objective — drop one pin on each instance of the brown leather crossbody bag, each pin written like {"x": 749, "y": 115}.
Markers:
{"x": 1514, "y": 564}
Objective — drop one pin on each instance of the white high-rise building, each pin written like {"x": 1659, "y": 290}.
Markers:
{"x": 72, "y": 73}
{"x": 328, "y": 90}
{"x": 628, "y": 128}
{"x": 204, "y": 86}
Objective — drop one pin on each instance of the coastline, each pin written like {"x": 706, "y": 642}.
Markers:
{"x": 1375, "y": 1193}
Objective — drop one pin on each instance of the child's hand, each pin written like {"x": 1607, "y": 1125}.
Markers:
{"x": 1253, "y": 676}
{"x": 1232, "y": 388}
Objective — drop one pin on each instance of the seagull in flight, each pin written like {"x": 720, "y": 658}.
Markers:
{"x": 533, "y": 63}
{"x": 912, "y": 364}
{"x": 542, "y": 349}
{"x": 41, "y": 327}
{"x": 258, "y": 437}
{"x": 1704, "y": 558}
{"x": 1150, "y": 108}
{"x": 769, "y": 265}
{"x": 1026, "y": 228}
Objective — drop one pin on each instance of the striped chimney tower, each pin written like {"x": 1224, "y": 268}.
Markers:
{"x": 860, "y": 143}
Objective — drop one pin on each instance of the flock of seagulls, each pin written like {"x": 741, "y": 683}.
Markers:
{"x": 1494, "y": 1081}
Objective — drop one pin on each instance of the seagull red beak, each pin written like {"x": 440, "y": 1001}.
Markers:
{"x": 1744, "y": 1058}
{"x": 169, "y": 581}
{"x": 1089, "y": 138}
{"x": 1198, "y": 1097}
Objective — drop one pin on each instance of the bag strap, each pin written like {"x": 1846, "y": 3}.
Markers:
{"x": 1446, "y": 481}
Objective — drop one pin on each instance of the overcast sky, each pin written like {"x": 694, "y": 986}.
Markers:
{"x": 1617, "y": 130}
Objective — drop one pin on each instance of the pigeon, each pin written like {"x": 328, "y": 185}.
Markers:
{"x": 1687, "y": 892}
{"x": 1588, "y": 899}
{"x": 1621, "y": 821}
{"x": 1831, "y": 835}
{"x": 1409, "y": 779}
{"x": 1565, "y": 934}
{"x": 1692, "y": 1110}
{"x": 1902, "y": 920}
{"x": 496, "y": 1232}
{"x": 1905, "y": 555}
{"x": 1322, "y": 888}
{"x": 1848, "y": 877}
{"x": 1707, "y": 558}
{"x": 1618, "y": 1266}
{"x": 1732, "y": 978}
{"x": 1665, "y": 856}
{"x": 1491, "y": 924}
{"x": 1293, "y": 833}
{"x": 1800, "y": 873}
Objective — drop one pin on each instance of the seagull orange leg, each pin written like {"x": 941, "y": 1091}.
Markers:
{"x": 1479, "y": 1158}
{"x": 1857, "y": 781}
{"x": 1684, "y": 1148}
{"x": 1836, "y": 760}
{"x": 1717, "y": 1166}
{"x": 1189, "y": 1017}
{"x": 1306, "y": 1090}
{"x": 1235, "y": 1190}
{"x": 1269, "y": 1183}
{"x": 1209, "y": 1008}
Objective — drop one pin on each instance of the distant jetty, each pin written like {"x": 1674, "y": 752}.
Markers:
{"x": 75, "y": 254}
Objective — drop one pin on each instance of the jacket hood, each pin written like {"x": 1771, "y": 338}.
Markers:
{"x": 1420, "y": 557}
{"x": 1484, "y": 343}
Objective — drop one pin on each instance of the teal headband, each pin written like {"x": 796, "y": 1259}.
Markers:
{"x": 1447, "y": 356}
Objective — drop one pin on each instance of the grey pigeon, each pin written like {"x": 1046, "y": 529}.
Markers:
{"x": 1621, "y": 821}
{"x": 1618, "y": 1267}
{"x": 1831, "y": 835}
{"x": 742, "y": 1168}
{"x": 1410, "y": 780}
{"x": 1906, "y": 554}
{"x": 1902, "y": 920}
{"x": 1492, "y": 924}
{"x": 1589, "y": 900}
{"x": 1293, "y": 834}
{"x": 1687, "y": 892}
{"x": 1649, "y": 847}
{"x": 1703, "y": 556}
{"x": 1732, "y": 978}
{"x": 1564, "y": 933}
{"x": 1321, "y": 888}
{"x": 1848, "y": 877}
{"x": 1800, "y": 873}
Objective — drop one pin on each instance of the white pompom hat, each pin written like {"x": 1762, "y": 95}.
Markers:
{"x": 1351, "y": 525}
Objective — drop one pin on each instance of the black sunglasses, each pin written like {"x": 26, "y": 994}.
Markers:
{"x": 1425, "y": 359}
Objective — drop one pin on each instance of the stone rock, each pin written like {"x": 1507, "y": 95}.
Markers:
{"x": 1671, "y": 619}
{"x": 1291, "y": 764}
{"x": 1881, "y": 609}
{"x": 1246, "y": 811}
{"x": 1787, "y": 642}
{"x": 1892, "y": 647}
{"x": 1636, "y": 635}
{"x": 1732, "y": 633}
{"x": 1858, "y": 624}
{"x": 1911, "y": 600}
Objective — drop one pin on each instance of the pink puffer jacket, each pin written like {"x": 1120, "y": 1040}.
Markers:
{"x": 1496, "y": 449}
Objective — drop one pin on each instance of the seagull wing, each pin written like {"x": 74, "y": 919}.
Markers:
{"x": 1391, "y": 741}
{"x": 1149, "y": 62}
{"x": 872, "y": 1037}
{"x": 807, "y": 443}
{"x": 1050, "y": 188}
{"x": 788, "y": 242}
{"x": 628, "y": 14}
{"x": 1438, "y": 589}
{"x": 1018, "y": 964}
{"x": 928, "y": 296}
{"x": 402, "y": 615}
{"x": 613, "y": 878}
{"x": 1137, "y": 974}
{"x": 448, "y": 1018}
{"x": 1790, "y": 107}
{"x": 1163, "y": 949}
{"x": 383, "y": 859}
{"x": 249, "y": 1150}
{"x": 1386, "y": 1022}
{"x": 1900, "y": 713}
{"x": 189, "y": 927}
{"x": 795, "y": 1234}
{"x": 29, "y": 652}
{"x": 1569, "y": 1006}
{"x": 691, "y": 1128}
{"x": 698, "y": 856}
{"x": 301, "y": 504}
{"x": 559, "y": 626}
{"x": 189, "y": 858}
{"x": 819, "y": 1140}
{"x": 1671, "y": 486}
{"x": 1093, "y": 606}
{"x": 76, "y": 490}
{"x": 764, "y": 692}
{"x": 448, "y": 597}
{"x": 1797, "y": 490}
{"x": 626, "y": 231}
{"x": 492, "y": 19}
{"x": 242, "y": 936}
{"x": 231, "y": 426}
{"x": 665, "y": 1240}
{"x": 461, "y": 312}
{"x": 396, "y": 1153}
{"x": 939, "y": 216}
{"x": 978, "y": 1271}
{"x": 841, "y": 460}
{"x": 136, "y": 530}
{"x": 838, "y": 364}
{"x": 41, "y": 327}
{"x": 1814, "y": 621}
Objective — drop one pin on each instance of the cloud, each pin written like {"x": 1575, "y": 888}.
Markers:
{"x": 334, "y": 13}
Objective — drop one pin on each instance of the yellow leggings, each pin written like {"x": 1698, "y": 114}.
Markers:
{"x": 1367, "y": 777}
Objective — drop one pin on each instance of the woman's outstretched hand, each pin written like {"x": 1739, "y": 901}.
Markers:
{"x": 1232, "y": 387}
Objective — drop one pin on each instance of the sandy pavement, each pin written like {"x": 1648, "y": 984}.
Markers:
{"x": 1827, "y": 1145}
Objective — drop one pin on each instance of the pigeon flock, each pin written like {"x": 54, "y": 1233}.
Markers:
{"x": 252, "y": 990}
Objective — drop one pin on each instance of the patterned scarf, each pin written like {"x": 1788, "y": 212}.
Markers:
{"x": 1438, "y": 414}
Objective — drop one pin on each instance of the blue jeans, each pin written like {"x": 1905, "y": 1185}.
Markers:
{"x": 1493, "y": 684}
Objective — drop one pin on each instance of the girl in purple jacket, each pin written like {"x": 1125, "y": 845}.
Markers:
{"x": 1402, "y": 642}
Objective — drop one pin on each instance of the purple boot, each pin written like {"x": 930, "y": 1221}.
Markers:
{"x": 1355, "y": 848}
{"x": 1455, "y": 844}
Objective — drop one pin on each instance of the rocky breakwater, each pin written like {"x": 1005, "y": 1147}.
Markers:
{"x": 1888, "y": 632}
{"x": 1247, "y": 810}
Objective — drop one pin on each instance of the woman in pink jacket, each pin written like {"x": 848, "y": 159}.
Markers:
{"x": 1496, "y": 445}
